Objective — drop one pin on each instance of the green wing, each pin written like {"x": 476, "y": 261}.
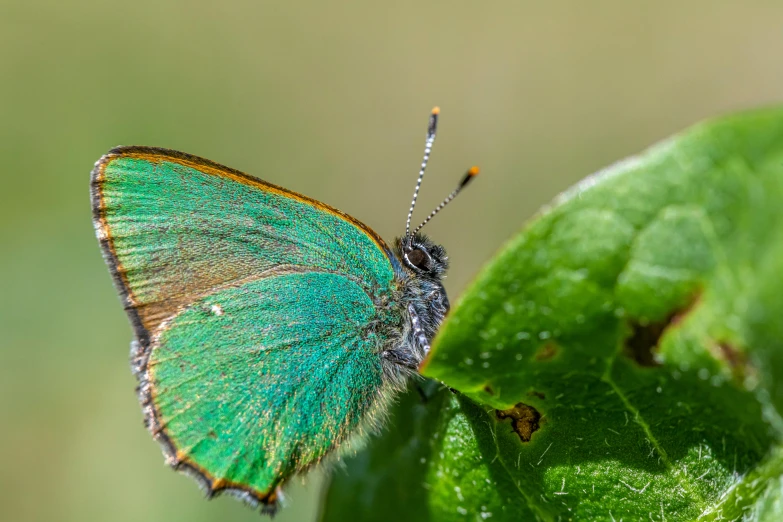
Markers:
{"x": 258, "y": 381}
{"x": 174, "y": 226}
{"x": 255, "y": 309}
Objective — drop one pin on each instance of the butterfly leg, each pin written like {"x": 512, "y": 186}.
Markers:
{"x": 401, "y": 357}
{"x": 421, "y": 342}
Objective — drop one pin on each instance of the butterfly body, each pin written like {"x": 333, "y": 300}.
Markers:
{"x": 270, "y": 328}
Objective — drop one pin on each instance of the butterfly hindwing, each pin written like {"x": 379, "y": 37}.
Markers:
{"x": 255, "y": 382}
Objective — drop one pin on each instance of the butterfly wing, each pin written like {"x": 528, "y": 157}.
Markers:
{"x": 256, "y": 312}
{"x": 255, "y": 382}
{"x": 174, "y": 226}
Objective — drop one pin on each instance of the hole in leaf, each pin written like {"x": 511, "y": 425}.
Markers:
{"x": 524, "y": 420}
{"x": 642, "y": 344}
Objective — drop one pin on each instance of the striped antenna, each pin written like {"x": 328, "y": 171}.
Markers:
{"x": 431, "y": 129}
{"x": 469, "y": 175}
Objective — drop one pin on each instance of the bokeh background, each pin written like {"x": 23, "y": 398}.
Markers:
{"x": 330, "y": 99}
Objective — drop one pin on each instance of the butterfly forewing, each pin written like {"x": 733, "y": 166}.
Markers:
{"x": 175, "y": 226}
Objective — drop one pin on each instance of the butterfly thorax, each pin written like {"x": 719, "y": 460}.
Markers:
{"x": 420, "y": 299}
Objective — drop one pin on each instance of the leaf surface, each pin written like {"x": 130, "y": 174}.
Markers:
{"x": 621, "y": 357}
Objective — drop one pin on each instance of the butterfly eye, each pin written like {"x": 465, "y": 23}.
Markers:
{"x": 419, "y": 259}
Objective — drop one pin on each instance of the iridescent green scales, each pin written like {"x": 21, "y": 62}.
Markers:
{"x": 260, "y": 315}
{"x": 179, "y": 226}
{"x": 256, "y": 382}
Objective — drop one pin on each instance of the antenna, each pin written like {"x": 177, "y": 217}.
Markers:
{"x": 431, "y": 129}
{"x": 469, "y": 175}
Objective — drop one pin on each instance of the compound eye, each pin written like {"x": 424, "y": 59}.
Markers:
{"x": 419, "y": 259}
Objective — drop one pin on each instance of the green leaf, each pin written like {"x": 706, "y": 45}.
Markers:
{"x": 436, "y": 461}
{"x": 620, "y": 358}
{"x": 391, "y": 474}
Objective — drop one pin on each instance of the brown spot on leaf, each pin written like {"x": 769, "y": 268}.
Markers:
{"x": 546, "y": 352}
{"x": 736, "y": 358}
{"x": 524, "y": 420}
{"x": 731, "y": 354}
{"x": 642, "y": 344}
{"x": 537, "y": 394}
{"x": 488, "y": 389}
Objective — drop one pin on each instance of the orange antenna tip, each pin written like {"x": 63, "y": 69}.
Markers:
{"x": 436, "y": 110}
{"x": 469, "y": 175}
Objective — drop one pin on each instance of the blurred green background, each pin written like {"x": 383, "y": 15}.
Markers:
{"x": 330, "y": 99}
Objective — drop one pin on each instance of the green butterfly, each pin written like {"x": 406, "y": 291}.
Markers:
{"x": 270, "y": 328}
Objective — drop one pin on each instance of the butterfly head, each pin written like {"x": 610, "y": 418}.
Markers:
{"x": 424, "y": 266}
{"x": 426, "y": 261}
{"x": 423, "y": 257}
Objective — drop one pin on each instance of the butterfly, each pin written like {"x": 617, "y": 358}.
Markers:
{"x": 270, "y": 328}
